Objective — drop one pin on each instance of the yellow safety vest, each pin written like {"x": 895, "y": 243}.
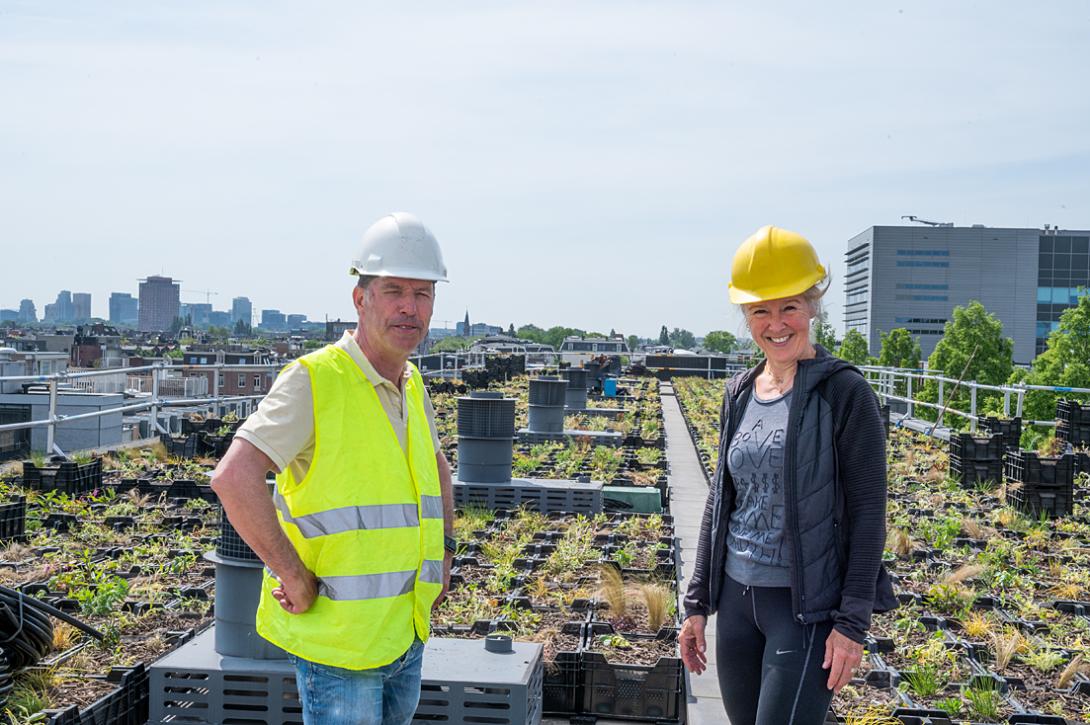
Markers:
{"x": 367, "y": 520}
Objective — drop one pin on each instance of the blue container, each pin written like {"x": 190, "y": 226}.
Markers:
{"x": 609, "y": 387}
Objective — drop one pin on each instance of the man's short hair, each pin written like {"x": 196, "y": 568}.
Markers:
{"x": 365, "y": 280}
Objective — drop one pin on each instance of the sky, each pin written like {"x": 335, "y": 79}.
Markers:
{"x": 588, "y": 164}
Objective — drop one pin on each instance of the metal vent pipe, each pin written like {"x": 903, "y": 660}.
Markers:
{"x": 486, "y": 431}
{"x": 238, "y": 589}
{"x": 577, "y": 388}
{"x": 593, "y": 369}
{"x": 547, "y": 398}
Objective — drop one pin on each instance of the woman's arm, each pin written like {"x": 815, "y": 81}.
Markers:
{"x": 861, "y": 454}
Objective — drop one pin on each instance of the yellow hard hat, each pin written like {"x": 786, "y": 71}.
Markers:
{"x": 771, "y": 264}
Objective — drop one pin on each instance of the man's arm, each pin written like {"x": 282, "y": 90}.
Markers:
{"x": 239, "y": 481}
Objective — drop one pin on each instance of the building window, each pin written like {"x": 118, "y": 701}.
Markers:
{"x": 923, "y": 253}
{"x": 857, "y": 296}
{"x": 915, "y": 263}
{"x": 242, "y": 380}
{"x": 923, "y": 286}
{"x": 923, "y": 298}
{"x": 922, "y": 320}
{"x": 257, "y": 382}
{"x": 857, "y": 265}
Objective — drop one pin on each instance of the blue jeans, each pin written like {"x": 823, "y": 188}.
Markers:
{"x": 381, "y": 696}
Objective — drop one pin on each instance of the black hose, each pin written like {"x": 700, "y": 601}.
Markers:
{"x": 5, "y": 593}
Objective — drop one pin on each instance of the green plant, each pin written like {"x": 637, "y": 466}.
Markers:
{"x": 924, "y": 680}
{"x": 1044, "y": 659}
{"x": 950, "y": 705}
{"x": 984, "y": 700}
{"x": 103, "y": 597}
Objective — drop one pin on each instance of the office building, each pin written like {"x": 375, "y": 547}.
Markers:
{"x": 914, "y": 276}
{"x": 60, "y": 310}
{"x": 242, "y": 309}
{"x": 124, "y": 308}
{"x": 273, "y": 320}
{"x": 81, "y": 306}
{"x": 27, "y": 311}
{"x": 159, "y": 303}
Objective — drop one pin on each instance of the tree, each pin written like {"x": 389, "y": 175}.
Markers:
{"x": 682, "y": 338}
{"x": 511, "y": 330}
{"x": 720, "y": 341}
{"x": 854, "y": 348}
{"x": 633, "y": 342}
{"x": 242, "y": 327}
{"x": 1065, "y": 362}
{"x": 612, "y": 333}
{"x": 899, "y": 349}
{"x": 664, "y": 336}
{"x": 824, "y": 333}
{"x": 453, "y": 344}
{"x": 533, "y": 333}
{"x": 972, "y": 343}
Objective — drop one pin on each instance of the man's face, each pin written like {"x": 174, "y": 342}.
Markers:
{"x": 395, "y": 312}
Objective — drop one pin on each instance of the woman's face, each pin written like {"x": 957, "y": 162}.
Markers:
{"x": 781, "y": 328}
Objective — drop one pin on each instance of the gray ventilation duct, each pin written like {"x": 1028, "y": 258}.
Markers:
{"x": 238, "y": 588}
{"x": 577, "y": 388}
{"x": 486, "y": 430}
{"x": 547, "y": 398}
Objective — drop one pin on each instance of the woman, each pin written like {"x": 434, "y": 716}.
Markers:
{"x": 790, "y": 550}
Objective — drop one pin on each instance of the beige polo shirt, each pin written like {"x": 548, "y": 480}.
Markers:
{"x": 282, "y": 427}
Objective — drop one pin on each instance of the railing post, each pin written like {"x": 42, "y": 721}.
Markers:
{"x": 50, "y": 430}
{"x": 972, "y": 406}
{"x": 1007, "y": 403}
{"x": 940, "y": 393}
{"x": 1018, "y": 406}
{"x": 154, "y": 410}
{"x": 908, "y": 394}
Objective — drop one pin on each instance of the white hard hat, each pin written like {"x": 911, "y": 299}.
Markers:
{"x": 399, "y": 245}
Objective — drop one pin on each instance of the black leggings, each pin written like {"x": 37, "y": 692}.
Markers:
{"x": 769, "y": 665}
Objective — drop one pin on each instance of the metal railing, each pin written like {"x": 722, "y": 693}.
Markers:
{"x": 888, "y": 381}
{"x": 159, "y": 396}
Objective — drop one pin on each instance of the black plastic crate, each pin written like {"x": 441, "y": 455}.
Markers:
{"x": 68, "y": 477}
{"x": 13, "y": 520}
{"x": 127, "y": 705}
{"x": 1072, "y": 412}
{"x": 562, "y": 686}
{"x": 230, "y": 544}
{"x": 1029, "y": 468}
{"x": 971, "y": 473}
{"x": 1010, "y": 429}
{"x": 968, "y": 447}
{"x": 1035, "y": 500}
{"x": 1076, "y": 435}
{"x": 184, "y": 446}
{"x": 633, "y": 692}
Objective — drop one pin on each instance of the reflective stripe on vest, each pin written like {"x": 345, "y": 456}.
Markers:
{"x": 367, "y": 520}
{"x": 352, "y": 518}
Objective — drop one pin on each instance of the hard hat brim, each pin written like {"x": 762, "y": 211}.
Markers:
{"x": 356, "y": 270}
{"x": 745, "y": 297}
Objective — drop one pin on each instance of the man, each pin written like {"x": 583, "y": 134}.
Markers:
{"x": 356, "y": 537}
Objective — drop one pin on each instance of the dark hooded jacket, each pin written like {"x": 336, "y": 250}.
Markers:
{"x": 835, "y": 497}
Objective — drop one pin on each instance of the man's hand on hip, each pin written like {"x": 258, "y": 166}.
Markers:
{"x": 296, "y": 594}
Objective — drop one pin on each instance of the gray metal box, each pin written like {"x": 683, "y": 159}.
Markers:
{"x": 462, "y": 683}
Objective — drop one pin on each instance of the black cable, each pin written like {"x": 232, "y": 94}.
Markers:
{"x": 49, "y": 609}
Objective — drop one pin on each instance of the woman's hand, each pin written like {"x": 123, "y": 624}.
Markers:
{"x": 842, "y": 655}
{"x": 692, "y": 644}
